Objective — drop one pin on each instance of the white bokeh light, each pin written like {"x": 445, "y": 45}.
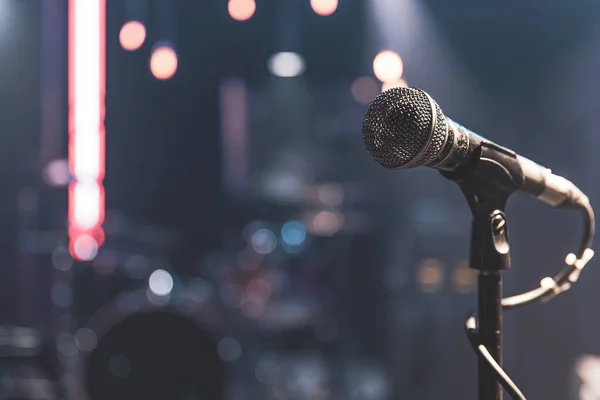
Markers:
{"x": 160, "y": 282}
{"x": 264, "y": 241}
{"x": 388, "y": 66}
{"x": 85, "y": 247}
{"x": 56, "y": 173}
{"x": 286, "y": 64}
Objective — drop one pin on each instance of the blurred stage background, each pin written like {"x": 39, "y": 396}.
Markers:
{"x": 238, "y": 242}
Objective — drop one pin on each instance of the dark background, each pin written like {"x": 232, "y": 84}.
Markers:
{"x": 524, "y": 74}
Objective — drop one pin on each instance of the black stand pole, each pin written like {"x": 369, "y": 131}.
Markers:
{"x": 490, "y": 254}
{"x": 487, "y": 186}
{"x": 490, "y": 332}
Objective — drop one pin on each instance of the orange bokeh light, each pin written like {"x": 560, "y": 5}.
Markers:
{"x": 364, "y": 89}
{"x": 324, "y": 7}
{"x": 132, "y": 35}
{"x": 241, "y": 10}
{"x": 163, "y": 63}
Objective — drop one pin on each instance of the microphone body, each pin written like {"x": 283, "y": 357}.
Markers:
{"x": 405, "y": 128}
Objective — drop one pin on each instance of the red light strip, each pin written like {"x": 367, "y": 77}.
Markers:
{"x": 87, "y": 87}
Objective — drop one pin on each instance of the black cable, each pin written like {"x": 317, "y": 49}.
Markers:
{"x": 565, "y": 277}
{"x": 549, "y": 288}
{"x": 505, "y": 381}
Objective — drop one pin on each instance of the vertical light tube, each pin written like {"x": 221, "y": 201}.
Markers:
{"x": 87, "y": 87}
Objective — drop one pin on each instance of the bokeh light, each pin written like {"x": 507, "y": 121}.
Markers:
{"x": 464, "y": 278}
{"x": 61, "y": 259}
{"x": 286, "y": 64}
{"x": 65, "y": 344}
{"x": 199, "y": 290}
{"x": 160, "y": 282}
{"x": 388, "y": 66}
{"x": 57, "y": 174}
{"x": 331, "y": 194}
{"x": 293, "y": 233}
{"x": 132, "y": 35}
{"x": 324, "y": 7}
{"x": 250, "y": 228}
{"x": 391, "y": 85}
{"x": 327, "y": 223}
{"x": 364, "y": 89}
{"x": 264, "y": 241}
{"x": 430, "y": 275}
{"x": 588, "y": 371}
{"x": 25, "y": 338}
{"x": 85, "y": 248}
{"x": 86, "y": 339}
{"x": 241, "y": 10}
{"x": 229, "y": 349}
{"x": 163, "y": 62}
{"x": 258, "y": 288}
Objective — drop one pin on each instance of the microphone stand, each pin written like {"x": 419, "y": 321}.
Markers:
{"x": 490, "y": 254}
{"x": 487, "y": 186}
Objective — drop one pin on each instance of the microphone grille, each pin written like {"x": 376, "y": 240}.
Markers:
{"x": 397, "y": 129}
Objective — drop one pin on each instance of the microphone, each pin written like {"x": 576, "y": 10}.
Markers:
{"x": 405, "y": 128}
